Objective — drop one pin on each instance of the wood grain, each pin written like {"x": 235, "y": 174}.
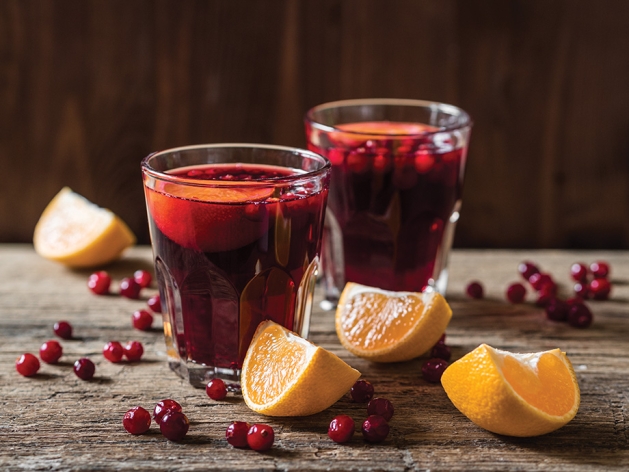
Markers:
{"x": 55, "y": 421}
{"x": 90, "y": 87}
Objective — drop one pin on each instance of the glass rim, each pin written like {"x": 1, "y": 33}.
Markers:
{"x": 466, "y": 120}
{"x": 306, "y": 175}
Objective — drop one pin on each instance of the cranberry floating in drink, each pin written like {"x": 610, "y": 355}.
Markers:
{"x": 395, "y": 193}
{"x": 236, "y": 233}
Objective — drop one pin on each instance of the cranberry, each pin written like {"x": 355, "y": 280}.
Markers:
{"x": 375, "y": 429}
{"x": 129, "y": 288}
{"x": 143, "y": 278}
{"x": 155, "y": 304}
{"x": 474, "y": 290}
{"x": 113, "y": 351}
{"x": 600, "y": 289}
{"x": 599, "y": 269}
{"x": 142, "y": 320}
{"x": 442, "y": 339}
{"x": 164, "y": 407}
{"x": 557, "y": 310}
{"x": 99, "y": 282}
{"x": 526, "y": 269}
{"x": 441, "y": 351}
{"x": 579, "y": 316}
{"x": 361, "y": 391}
{"x": 545, "y": 297}
{"x": 582, "y": 290}
{"x": 84, "y": 368}
{"x": 133, "y": 351}
{"x": 260, "y": 437}
{"x": 27, "y": 365}
{"x": 174, "y": 425}
{"x": 63, "y": 329}
{"x": 579, "y": 272}
{"x": 433, "y": 369}
{"x": 381, "y": 407}
{"x": 540, "y": 280}
{"x": 341, "y": 429}
{"x": 137, "y": 420}
{"x": 216, "y": 389}
{"x": 236, "y": 433}
{"x": 516, "y": 293}
{"x": 50, "y": 352}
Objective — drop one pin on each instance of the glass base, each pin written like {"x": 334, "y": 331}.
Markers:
{"x": 199, "y": 375}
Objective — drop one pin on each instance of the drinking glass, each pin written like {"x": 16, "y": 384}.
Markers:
{"x": 395, "y": 191}
{"x": 236, "y": 234}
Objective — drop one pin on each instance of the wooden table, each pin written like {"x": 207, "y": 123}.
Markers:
{"x": 56, "y": 421}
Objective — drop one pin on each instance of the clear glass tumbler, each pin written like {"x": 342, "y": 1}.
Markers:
{"x": 395, "y": 194}
{"x": 236, "y": 234}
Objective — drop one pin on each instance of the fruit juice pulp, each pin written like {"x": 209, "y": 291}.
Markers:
{"x": 393, "y": 198}
{"x": 230, "y": 258}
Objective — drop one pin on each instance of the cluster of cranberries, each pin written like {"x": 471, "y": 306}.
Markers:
{"x": 114, "y": 351}
{"x": 173, "y": 423}
{"x": 50, "y": 352}
{"x": 591, "y": 282}
{"x": 375, "y": 428}
{"x": 130, "y": 287}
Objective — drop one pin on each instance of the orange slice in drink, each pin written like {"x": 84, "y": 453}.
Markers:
{"x": 358, "y": 133}
{"x": 285, "y": 375}
{"x": 209, "y": 219}
{"x": 76, "y": 232}
{"x": 514, "y": 394}
{"x": 386, "y": 326}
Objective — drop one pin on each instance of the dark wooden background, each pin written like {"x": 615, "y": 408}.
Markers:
{"x": 89, "y": 87}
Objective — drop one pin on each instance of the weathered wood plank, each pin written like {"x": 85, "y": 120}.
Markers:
{"x": 56, "y": 421}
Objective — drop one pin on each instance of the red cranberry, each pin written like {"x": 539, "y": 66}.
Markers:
{"x": 143, "y": 278}
{"x": 599, "y": 269}
{"x": 381, "y": 407}
{"x": 50, "y": 352}
{"x": 163, "y": 407}
{"x": 579, "y": 272}
{"x": 142, "y": 320}
{"x": 216, "y": 389}
{"x": 375, "y": 429}
{"x": 544, "y": 298}
{"x": 99, "y": 282}
{"x": 516, "y": 293}
{"x": 260, "y": 437}
{"x": 526, "y": 269}
{"x": 63, "y": 329}
{"x": 361, "y": 391}
{"x": 433, "y": 369}
{"x": 113, "y": 351}
{"x": 600, "y": 289}
{"x": 27, "y": 365}
{"x": 341, "y": 429}
{"x": 442, "y": 339}
{"x": 84, "y": 368}
{"x": 155, "y": 304}
{"x": 137, "y": 420}
{"x": 236, "y": 433}
{"x": 475, "y": 290}
{"x": 557, "y": 310}
{"x": 540, "y": 280}
{"x": 133, "y": 351}
{"x": 441, "y": 351}
{"x": 174, "y": 425}
{"x": 579, "y": 316}
{"x": 582, "y": 290}
{"x": 129, "y": 288}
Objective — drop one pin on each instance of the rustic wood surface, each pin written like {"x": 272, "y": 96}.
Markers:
{"x": 90, "y": 87}
{"x": 55, "y": 421}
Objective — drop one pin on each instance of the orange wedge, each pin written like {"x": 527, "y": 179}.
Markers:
{"x": 285, "y": 375}
{"x": 76, "y": 232}
{"x": 385, "y": 326}
{"x": 514, "y": 394}
{"x": 357, "y": 133}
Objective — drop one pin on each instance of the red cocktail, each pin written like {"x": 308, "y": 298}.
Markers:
{"x": 395, "y": 194}
{"x": 236, "y": 234}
